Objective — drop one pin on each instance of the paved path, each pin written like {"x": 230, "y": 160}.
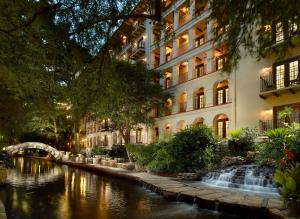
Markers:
{"x": 209, "y": 198}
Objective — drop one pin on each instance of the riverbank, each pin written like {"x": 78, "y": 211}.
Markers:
{"x": 226, "y": 201}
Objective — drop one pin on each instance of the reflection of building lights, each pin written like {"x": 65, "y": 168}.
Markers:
{"x": 82, "y": 186}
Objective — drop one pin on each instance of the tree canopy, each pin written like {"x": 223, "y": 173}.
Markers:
{"x": 251, "y": 28}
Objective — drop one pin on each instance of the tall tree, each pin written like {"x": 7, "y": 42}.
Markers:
{"x": 131, "y": 92}
{"x": 251, "y": 27}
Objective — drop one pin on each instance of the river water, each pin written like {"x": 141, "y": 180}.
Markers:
{"x": 38, "y": 189}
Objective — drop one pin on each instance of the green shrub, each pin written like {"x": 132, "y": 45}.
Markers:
{"x": 289, "y": 185}
{"x": 141, "y": 154}
{"x": 210, "y": 157}
{"x": 162, "y": 160}
{"x": 242, "y": 140}
{"x": 98, "y": 150}
{"x": 187, "y": 147}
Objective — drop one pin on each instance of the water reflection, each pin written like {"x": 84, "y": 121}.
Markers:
{"x": 39, "y": 189}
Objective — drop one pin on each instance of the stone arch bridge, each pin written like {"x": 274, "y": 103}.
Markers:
{"x": 12, "y": 149}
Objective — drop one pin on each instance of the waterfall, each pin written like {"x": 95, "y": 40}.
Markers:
{"x": 245, "y": 177}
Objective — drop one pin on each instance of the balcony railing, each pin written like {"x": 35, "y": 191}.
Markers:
{"x": 269, "y": 83}
{"x": 265, "y": 125}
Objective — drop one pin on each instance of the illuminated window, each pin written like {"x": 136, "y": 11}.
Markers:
{"x": 222, "y": 93}
{"x": 279, "y": 76}
{"x": 115, "y": 138}
{"x": 139, "y": 136}
{"x": 105, "y": 142}
{"x": 223, "y": 128}
{"x": 294, "y": 72}
{"x": 200, "y": 70}
{"x": 199, "y": 99}
{"x": 168, "y": 82}
{"x": 199, "y": 41}
{"x": 220, "y": 62}
{"x": 279, "y": 32}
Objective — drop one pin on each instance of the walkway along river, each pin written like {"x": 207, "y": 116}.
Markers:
{"x": 40, "y": 189}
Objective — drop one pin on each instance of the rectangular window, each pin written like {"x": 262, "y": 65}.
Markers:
{"x": 293, "y": 27}
{"x": 220, "y": 96}
{"x": 168, "y": 82}
{"x": 168, "y": 57}
{"x": 105, "y": 143}
{"x": 201, "y": 101}
{"x": 227, "y": 95}
{"x": 279, "y": 76}
{"x": 200, "y": 70}
{"x": 279, "y": 32}
{"x": 294, "y": 72}
{"x": 199, "y": 41}
{"x": 220, "y": 62}
{"x": 139, "y": 136}
{"x": 220, "y": 129}
{"x": 115, "y": 138}
{"x": 227, "y": 128}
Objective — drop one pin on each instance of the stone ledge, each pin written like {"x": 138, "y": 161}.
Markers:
{"x": 206, "y": 198}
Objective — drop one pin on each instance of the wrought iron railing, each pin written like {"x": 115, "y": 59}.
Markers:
{"x": 270, "y": 83}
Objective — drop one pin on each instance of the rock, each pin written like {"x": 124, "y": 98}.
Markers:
{"x": 188, "y": 176}
{"x": 250, "y": 157}
{"x": 269, "y": 162}
{"x": 229, "y": 161}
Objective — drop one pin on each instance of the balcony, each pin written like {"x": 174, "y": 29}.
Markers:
{"x": 138, "y": 29}
{"x": 138, "y": 50}
{"x": 265, "y": 125}
{"x": 271, "y": 85}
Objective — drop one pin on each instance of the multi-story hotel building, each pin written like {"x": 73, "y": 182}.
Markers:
{"x": 184, "y": 50}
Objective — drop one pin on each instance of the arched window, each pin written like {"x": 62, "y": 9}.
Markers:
{"x": 168, "y": 130}
{"x": 222, "y": 126}
{"x": 198, "y": 121}
{"x": 180, "y": 125}
{"x": 182, "y": 102}
{"x": 199, "y": 101}
{"x": 169, "y": 106}
{"x": 168, "y": 80}
{"x": 222, "y": 92}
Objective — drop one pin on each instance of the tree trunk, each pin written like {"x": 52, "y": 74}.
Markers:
{"x": 126, "y": 135}
{"x": 76, "y": 138}
{"x": 55, "y": 133}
